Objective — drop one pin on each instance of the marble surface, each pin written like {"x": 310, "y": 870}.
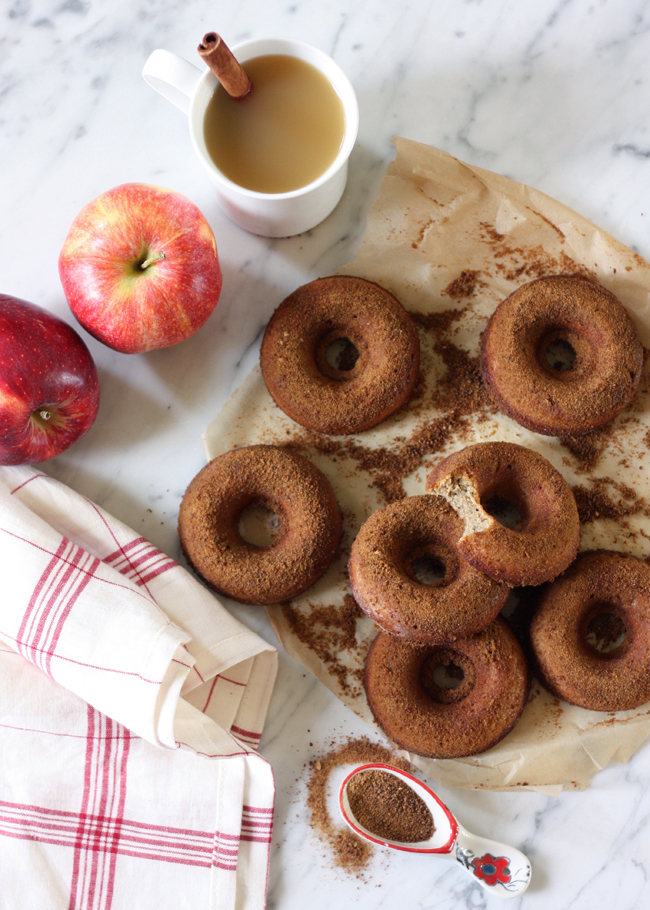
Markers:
{"x": 554, "y": 94}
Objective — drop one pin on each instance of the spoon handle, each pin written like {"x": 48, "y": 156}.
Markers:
{"x": 498, "y": 868}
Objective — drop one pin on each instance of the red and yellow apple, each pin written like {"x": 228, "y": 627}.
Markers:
{"x": 140, "y": 269}
{"x": 49, "y": 390}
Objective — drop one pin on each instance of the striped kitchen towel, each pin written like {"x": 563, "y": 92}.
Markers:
{"x": 131, "y": 707}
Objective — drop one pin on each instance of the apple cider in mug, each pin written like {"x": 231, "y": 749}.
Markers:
{"x": 284, "y": 134}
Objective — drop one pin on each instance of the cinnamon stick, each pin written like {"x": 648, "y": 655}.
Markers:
{"x": 223, "y": 64}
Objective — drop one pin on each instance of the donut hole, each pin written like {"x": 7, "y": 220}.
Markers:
{"x": 604, "y": 630}
{"x": 566, "y": 354}
{"x": 338, "y": 353}
{"x": 342, "y": 354}
{"x": 432, "y": 565}
{"x": 447, "y": 676}
{"x": 504, "y": 501}
{"x": 259, "y": 524}
{"x": 428, "y": 570}
{"x": 560, "y": 356}
{"x": 503, "y": 511}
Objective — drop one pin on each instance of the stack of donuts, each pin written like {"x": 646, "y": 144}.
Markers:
{"x": 445, "y": 677}
{"x": 455, "y": 622}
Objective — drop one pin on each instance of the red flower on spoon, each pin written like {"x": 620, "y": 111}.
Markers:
{"x": 492, "y": 869}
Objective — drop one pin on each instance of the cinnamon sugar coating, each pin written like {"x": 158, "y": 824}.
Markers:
{"x": 545, "y": 539}
{"x": 340, "y": 401}
{"x": 600, "y": 584}
{"x": 436, "y": 722}
{"x": 385, "y": 586}
{"x": 286, "y": 484}
{"x": 574, "y": 311}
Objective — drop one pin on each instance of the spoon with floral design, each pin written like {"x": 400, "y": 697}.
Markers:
{"x": 499, "y": 869}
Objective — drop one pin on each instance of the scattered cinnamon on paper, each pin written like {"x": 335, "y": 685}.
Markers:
{"x": 223, "y": 64}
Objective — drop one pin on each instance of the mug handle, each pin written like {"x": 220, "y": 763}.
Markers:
{"x": 173, "y": 77}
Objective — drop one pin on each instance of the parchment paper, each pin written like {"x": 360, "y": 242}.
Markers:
{"x": 451, "y": 239}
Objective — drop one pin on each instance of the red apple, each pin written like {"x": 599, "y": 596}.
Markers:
{"x": 139, "y": 268}
{"x": 49, "y": 390}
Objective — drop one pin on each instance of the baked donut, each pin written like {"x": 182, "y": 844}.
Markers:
{"x": 544, "y": 540}
{"x": 294, "y": 355}
{"x": 424, "y": 718}
{"x": 383, "y": 580}
{"x": 284, "y": 483}
{"x": 602, "y": 594}
{"x": 591, "y": 325}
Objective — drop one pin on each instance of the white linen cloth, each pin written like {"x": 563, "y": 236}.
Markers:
{"x": 128, "y": 771}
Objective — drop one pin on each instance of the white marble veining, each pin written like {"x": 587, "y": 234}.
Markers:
{"x": 555, "y": 94}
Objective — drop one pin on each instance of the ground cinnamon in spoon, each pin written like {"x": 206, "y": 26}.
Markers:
{"x": 350, "y": 853}
{"x": 386, "y": 806}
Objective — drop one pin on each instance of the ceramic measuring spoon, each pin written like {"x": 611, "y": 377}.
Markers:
{"x": 499, "y": 869}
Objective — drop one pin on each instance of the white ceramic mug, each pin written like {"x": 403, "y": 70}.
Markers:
{"x": 268, "y": 214}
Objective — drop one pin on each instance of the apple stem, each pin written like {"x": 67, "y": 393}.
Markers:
{"x": 45, "y": 414}
{"x": 152, "y": 259}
